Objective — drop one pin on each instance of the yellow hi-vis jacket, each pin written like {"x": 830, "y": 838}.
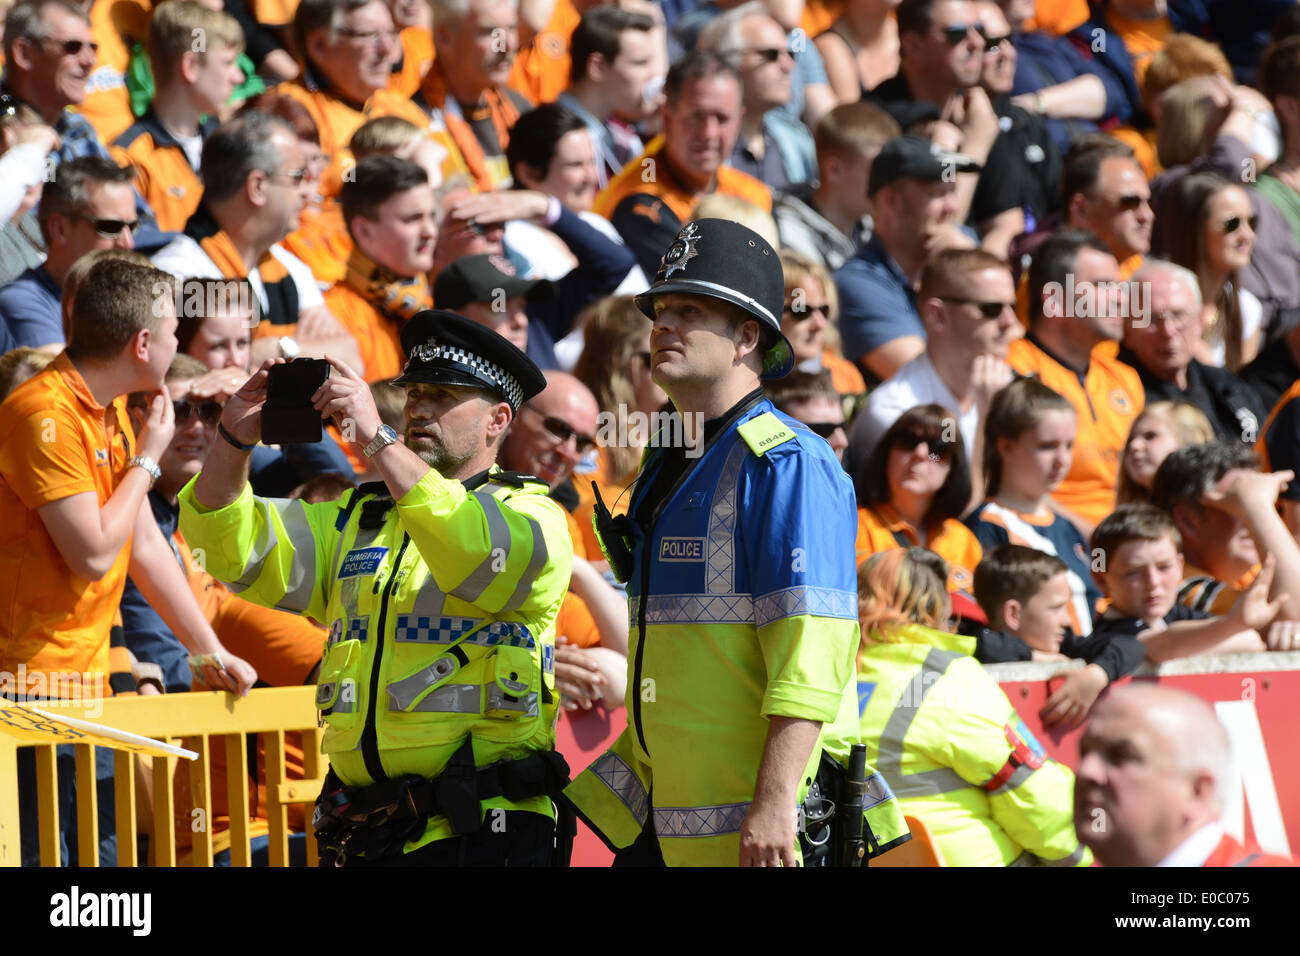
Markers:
{"x": 743, "y": 602}
{"x": 959, "y": 757}
{"x": 441, "y": 615}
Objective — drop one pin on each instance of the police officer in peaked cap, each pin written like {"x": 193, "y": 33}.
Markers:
{"x": 439, "y": 586}
{"x": 738, "y": 551}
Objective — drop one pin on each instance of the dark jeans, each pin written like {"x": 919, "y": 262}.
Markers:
{"x": 67, "y": 803}
{"x": 526, "y": 839}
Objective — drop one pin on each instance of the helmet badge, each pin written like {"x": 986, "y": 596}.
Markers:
{"x": 682, "y": 250}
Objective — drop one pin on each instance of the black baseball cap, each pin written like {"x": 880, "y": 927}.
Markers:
{"x": 444, "y": 348}
{"x": 914, "y": 157}
{"x": 478, "y": 279}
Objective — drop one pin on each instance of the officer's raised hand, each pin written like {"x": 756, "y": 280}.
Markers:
{"x": 242, "y": 414}
{"x": 345, "y": 399}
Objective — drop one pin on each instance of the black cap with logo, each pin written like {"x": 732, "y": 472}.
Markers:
{"x": 914, "y": 157}
{"x": 478, "y": 279}
{"x": 444, "y": 348}
{"x": 725, "y": 260}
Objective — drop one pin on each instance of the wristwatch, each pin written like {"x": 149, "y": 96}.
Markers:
{"x": 383, "y": 438}
{"x": 149, "y": 465}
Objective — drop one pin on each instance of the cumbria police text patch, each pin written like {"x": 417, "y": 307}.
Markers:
{"x": 361, "y": 561}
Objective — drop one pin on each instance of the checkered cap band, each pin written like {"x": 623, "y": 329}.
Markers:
{"x": 490, "y": 372}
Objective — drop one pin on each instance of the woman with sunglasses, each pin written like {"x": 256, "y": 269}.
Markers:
{"x": 914, "y": 490}
{"x": 809, "y": 322}
{"x": 1209, "y": 227}
{"x": 1028, "y": 447}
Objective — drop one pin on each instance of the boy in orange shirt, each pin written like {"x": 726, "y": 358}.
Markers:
{"x": 73, "y": 515}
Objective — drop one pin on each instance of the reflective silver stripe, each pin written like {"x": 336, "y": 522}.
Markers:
{"x": 347, "y": 697}
{"x": 699, "y": 609}
{"x": 700, "y": 821}
{"x": 450, "y": 699}
{"x": 792, "y": 602}
{"x": 402, "y": 692}
{"x": 430, "y": 600}
{"x": 614, "y": 773}
{"x": 732, "y": 295}
{"x": 889, "y": 758}
{"x": 262, "y": 548}
{"x": 1074, "y": 859}
{"x": 720, "y": 545}
{"x": 1024, "y": 859}
{"x": 1018, "y": 776}
{"x": 301, "y": 579}
{"x": 525, "y": 706}
{"x": 536, "y": 561}
{"x": 498, "y": 544}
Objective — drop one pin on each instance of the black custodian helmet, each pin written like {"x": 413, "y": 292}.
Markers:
{"x": 725, "y": 260}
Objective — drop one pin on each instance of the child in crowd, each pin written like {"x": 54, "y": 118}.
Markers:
{"x": 1162, "y": 427}
{"x": 1027, "y": 594}
{"x": 1028, "y": 446}
{"x": 1140, "y": 566}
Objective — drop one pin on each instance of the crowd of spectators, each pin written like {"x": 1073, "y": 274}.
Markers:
{"x": 1042, "y": 270}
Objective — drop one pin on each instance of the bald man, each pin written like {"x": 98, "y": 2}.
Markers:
{"x": 547, "y": 439}
{"x": 1155, "y": 773}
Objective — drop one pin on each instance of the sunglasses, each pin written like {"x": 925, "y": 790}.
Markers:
{"x": 72, "y": 47}
{"x": 209, "y": 412}
{"x": 990, "y": 310}
{"x": 1233, "y": 223}
{"x": 993, "y": 44}
{"x": 564, "y": 431}
{"x": 112, "y": 228}
{"x": 808, "y": 311}
{"x": 770, "y": 54}
{"x": 825, "y": 429}
{"x": 908, "y": 441}
{"x": 957, "y": 32}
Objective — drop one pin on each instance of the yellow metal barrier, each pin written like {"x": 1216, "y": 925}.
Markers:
{"x": 191, "y": 721}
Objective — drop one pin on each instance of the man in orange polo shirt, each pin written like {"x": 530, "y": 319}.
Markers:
{"x": 1073, "y": 319}
{"x": 656, "y": 193}
{"x": 389, "y": 208}
{"x": 73, "y": 515}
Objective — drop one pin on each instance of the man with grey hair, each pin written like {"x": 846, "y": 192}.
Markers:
{"x": 88, "y": 206}
{"x": 1155, "y": 776}
{"x": 1158, "y": 343}
{"x": 465, "y": 93}
{"x": 49, "y": 57}
{"x": 773, "y": 146}
{"x": 254, "y": 190}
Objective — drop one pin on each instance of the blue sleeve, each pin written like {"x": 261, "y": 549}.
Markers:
{"x": 602, "y": 265}
{"x": 27, "y": 315}
{"x": 1119, "y": 107}
{"x": 151, "y": 640}
{"x": 872, "y": 313}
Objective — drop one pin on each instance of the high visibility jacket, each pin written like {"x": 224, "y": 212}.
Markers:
{"x": 743, "y": 605}
{"x": 958, "y": 756}
{"x": 441, "y": 615}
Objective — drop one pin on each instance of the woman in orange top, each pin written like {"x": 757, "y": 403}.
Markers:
{"x": 615, "y": 365}
{"x": 811, "y": 312}
{"x": 914, "y": 490}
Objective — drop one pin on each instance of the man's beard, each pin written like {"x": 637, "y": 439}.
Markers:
{"x": 441, "y": 460}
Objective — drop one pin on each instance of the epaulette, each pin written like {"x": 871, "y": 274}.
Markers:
{"x": 764, "y": 432}
{"x": 515, "y": 479}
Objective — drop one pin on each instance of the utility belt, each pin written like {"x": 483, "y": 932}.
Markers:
{"x": 377, "y": 821}
{"x": 832, "y": 828}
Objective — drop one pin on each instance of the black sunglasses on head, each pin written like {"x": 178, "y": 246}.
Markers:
{"x": 209, "y": 412}
{"x": 1233, "y": 223}
{"x": 957, "y": 32}
{"x": 908, "y": 441}
{"x": 990, "y": 310}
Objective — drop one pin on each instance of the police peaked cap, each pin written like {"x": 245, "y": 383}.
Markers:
{"x": 725, "y": 260}
{"x": 444, "y": 348}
